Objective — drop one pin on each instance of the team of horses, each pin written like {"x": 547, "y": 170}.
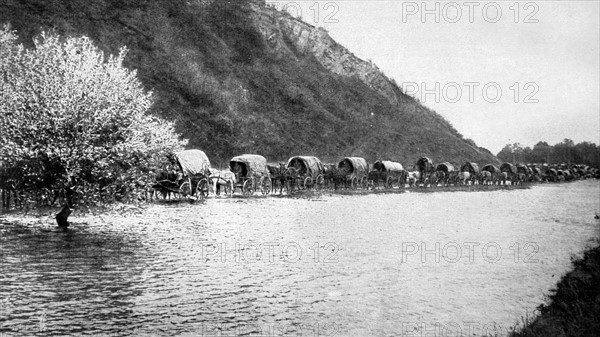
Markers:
{"x": 507, "y": 174}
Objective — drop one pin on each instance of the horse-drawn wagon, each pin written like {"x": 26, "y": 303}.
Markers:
{"x": 508, "y": 172}
{"x": 251, "y": 173}
{"x": 489, "y": 174}
{"x": 187, "y": 176}
{"x": 443, "y": 174}
{"x": 469, "y": 172}
{"x": 421, "y": 171}
{"x": 305, "y": 172}
{"x": 472, "y": 168}
{"x": 388, "y": 173}
{"x": 355, "y": 170}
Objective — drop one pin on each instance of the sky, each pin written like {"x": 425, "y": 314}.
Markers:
{"x": 500, "y": 71}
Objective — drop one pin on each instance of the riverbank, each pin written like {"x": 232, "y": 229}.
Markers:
{"x": 574, "y": 305}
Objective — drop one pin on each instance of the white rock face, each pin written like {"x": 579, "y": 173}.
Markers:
{"x": 292, "y": 37}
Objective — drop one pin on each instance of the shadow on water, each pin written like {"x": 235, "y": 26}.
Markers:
{"x": 62, "y": 283}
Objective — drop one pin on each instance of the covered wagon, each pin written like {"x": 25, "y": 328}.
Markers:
{"x": 251, "y": 173}
{"x": 388, "y": 173}
{"x": 491, "y": 168}
{"x": 445, "y": 167}
{"x": 355, "y": 170}
{"x": 472, "y": 168}
{"x": 443, "y": 174}
{"x": 508, "y": 168}
{"x": 424, "y": 165}
{"x": 186, "y": 176}
{"x": 305, "y": 172}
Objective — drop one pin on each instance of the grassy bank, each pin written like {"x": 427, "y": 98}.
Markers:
{"x": 574, "y": 308}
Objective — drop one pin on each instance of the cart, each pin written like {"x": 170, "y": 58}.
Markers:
{"x": 251, "y": 174}
{"x": 186, "y": 177}
{"x": 305, "y": 172}
{"x": 355, "y": 170}
{"x": 388, "y": 173}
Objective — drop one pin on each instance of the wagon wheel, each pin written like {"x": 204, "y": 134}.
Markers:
{"x": 157, "y": 194}
{"x": 320, "y": 185}
{"x": 389, "y": 183}
{"x": 401, "y": 182}
{"x": 265, "y": 185}
{"x": 229, "y": 188}
{"x": 308, "y": 182}
{"x": 202, "y": 189}
{"x": 364, "y": 182}
{"x": 185, "y": 190}
{"x": 248, "y": 187}
{"x": 354, "y": 183}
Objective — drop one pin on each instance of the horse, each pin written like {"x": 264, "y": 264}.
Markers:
{"x": 413, "y": 178}
{"x": 329, "y": 175}
{"x": 503, "y": 178}
{"x": 463, "y": 178}
{"x": 335, "y": 176}
{"x": 485, "y": 178}
{"x": 520, "y": 178}
{"x": 435, "y": 178}
{"x": 166, "y": 181}
{"x": 475, "y": 178}
{"x": 218, "y": 178}
{"x": 278, "y": 175}
{"x": 291, "y": 178}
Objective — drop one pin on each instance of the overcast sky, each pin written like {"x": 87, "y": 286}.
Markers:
{"x": 542, "y": 55}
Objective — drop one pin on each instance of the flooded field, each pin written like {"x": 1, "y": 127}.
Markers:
{"x": 371, "y": 265}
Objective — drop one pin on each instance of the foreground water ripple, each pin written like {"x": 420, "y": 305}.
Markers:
{"x": 373, "y": 265}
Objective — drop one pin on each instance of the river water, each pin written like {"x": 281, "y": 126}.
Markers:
{"x": 412, "y": 264}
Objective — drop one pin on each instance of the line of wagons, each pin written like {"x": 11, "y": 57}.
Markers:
{"x": 189, "y": 174}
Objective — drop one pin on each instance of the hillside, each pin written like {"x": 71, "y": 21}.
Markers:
{"x": 238, "y": 77}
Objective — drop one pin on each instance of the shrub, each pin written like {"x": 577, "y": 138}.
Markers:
{"x": 74, "y": 123}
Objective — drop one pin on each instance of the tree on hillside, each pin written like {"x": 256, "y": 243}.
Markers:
{"x": 512, "y": 153}
{"x": 73, "y": 124}
{"x": 506, "y": 154}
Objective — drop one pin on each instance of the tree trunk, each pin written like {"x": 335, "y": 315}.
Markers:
{"x": 61, "y": 217}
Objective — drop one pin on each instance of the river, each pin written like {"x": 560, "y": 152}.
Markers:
{"x": 411, "y": 264}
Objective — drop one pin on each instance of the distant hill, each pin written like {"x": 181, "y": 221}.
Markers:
{"x": 239, "y": 77}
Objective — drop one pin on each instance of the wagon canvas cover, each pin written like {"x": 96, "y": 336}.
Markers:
{"x": 523, "y": 169}
{"x": 491, "y": 168}
{"x": 312, "y": 166}
{"x": 446, "y": 167}
{"x": 256, "y": 165}
{"x": 424, "y": 164}
{"x": 389, "y": 166}
{"x": 508, "y": 167}
{"x": 357, "y": 165}
{"x": 470, "y": 167}
{"x": 193, "y": 162}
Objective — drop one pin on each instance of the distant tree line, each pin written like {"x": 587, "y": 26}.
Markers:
{"x": 565, "y": 152}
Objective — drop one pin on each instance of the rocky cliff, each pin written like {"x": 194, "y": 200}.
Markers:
{"x": 291, "y": 36}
